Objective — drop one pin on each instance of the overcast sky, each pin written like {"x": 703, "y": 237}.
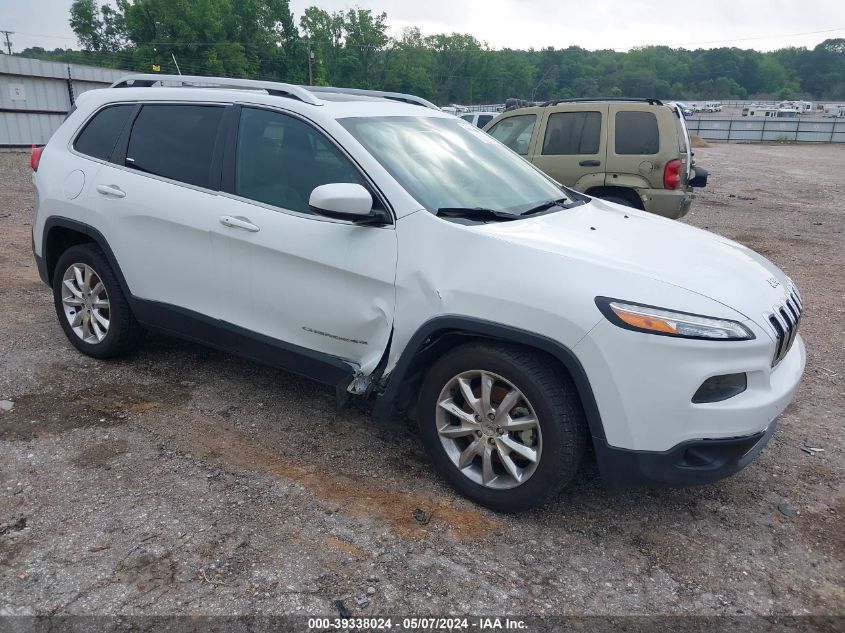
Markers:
{"x": 592, "y": 24}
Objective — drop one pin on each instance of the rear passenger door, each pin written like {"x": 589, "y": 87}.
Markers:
{"x": 154, "y": 204}
{"x": 572, "y": 148}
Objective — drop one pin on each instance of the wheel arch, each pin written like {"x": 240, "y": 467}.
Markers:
{"x": 619, "y": 192}
{"x": 441, "y": 334}
{"x": 62, "y": 233}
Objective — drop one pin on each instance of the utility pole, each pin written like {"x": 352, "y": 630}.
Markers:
{"x": 8, "y": 43}
{"x": 310, "y": 64}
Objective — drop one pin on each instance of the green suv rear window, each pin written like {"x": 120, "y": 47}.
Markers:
{"x": 637, "y": 133}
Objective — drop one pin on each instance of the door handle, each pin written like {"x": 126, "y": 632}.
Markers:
{"x": 111, "y": 190}
{"x": 590, "y": 163}
{"x": 238, "y": 223}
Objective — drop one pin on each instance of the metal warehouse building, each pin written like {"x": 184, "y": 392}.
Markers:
{"x": 35, "y": 96}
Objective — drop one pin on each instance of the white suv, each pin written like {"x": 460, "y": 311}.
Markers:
{"x": 405, "y": 257}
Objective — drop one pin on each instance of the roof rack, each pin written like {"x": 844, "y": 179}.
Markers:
{"x": 271, "y": 87}
{"x": 394, "y": 96}
{"x": 649, "y": 101}
{"x": 305, "y": 94}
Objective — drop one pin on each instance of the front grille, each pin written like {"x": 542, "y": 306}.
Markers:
{"x": 784, "y": 321}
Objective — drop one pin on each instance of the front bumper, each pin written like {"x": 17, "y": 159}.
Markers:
{"x": 644, "y": 385}
{"x": 672, "y": 204}
{"x": 690, "y": 463}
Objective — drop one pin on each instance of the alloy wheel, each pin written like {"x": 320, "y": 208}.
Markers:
{"x": 86, "y": 303}
{"x": 488, "y": 429}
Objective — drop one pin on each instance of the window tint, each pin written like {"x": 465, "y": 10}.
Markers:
{"x": 515, "y": 132}
{"x": 484, "y": 119}
{"x": 175, "y": 141}
{"x": 99, "y": 136}
{"x": 636, "y": 133}
{"x": 280, "y": 160}
{"x": 573, "y": 133}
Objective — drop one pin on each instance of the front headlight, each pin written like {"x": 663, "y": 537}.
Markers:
{"x": 641, "y": 318}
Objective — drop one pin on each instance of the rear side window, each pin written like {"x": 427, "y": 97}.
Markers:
{"x": 175, "y": 141}
{"x": 636, "y": 133}
{"x": 515, "y": 132}
{"x": 573, "y": 133}
{"x": 484, "y": 119}
{"x": 100, "y": 134}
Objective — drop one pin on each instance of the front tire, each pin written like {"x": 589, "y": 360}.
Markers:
{"x": 502, "y": 424}
{"x": 91, "y": 306}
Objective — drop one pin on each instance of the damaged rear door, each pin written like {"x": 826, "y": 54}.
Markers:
{"x": 318, "y": 283}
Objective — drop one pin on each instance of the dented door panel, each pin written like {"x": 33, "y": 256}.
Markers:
{"x": 320, "y": 284}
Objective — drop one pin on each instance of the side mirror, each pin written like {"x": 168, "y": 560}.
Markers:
{"x": 344, "y": 200}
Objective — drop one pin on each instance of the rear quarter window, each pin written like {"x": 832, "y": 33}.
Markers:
{"x": 99, "y": 136}
{"x": 637, "y": 133}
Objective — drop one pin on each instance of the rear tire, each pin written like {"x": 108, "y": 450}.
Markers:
{"x": 482, "y": 439}
{"x": 91, "y": 306}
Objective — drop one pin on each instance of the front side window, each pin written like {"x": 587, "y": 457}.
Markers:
{"x": 573, "y": 133}
{"x": 175, "y": 141}
{"x": 637, "y": 133}
{"x": 281, "y": 159}
{"x": 100, "y": 134}
{"x": 515, "y": 132}
{"x": 444, "y": 163}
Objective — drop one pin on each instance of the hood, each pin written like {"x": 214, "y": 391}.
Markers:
{"x": 634, "y": 241}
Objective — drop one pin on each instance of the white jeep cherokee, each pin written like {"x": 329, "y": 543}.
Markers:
{"x": 399, "y": 254}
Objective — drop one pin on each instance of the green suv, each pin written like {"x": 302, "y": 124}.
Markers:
{"x": 632, "y": 152}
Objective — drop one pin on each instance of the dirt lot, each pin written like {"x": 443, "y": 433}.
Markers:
{"x": 186, "y": 481}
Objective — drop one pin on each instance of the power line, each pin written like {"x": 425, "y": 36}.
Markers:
{"x": 766, "y": 37}
{"x": 731, "y": 41}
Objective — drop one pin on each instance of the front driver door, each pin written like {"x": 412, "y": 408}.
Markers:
{"x": 313, "y": 282}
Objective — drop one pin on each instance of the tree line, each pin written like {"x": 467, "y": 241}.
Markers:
{"x": 262, "y": 39}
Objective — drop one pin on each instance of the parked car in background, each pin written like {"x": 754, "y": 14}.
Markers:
{"x": 833, "y": 111}
{"x": 713, "y": 106}
{"x": 408, "y": 260}
{"x": 631, "y": 152}
{"x": 686, "y": 110}
{"x": 457, "y": 110}
{"x": 479, "y": 119}
{"x": 802, "y": 107}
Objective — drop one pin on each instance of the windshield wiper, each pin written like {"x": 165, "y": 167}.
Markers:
{"x": 543, "y": 206}
{"x": 478, "y": 213}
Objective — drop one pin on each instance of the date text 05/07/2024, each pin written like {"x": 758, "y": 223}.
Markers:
{"x": 418, "y": 624}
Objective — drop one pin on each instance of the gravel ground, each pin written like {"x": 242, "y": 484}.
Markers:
{"x": 186, "y": 481}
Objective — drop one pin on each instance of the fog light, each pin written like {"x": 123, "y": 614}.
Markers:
{"x": 720, "y": 388}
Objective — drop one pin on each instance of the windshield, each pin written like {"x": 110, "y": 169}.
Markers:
{"x": 447, "y": 163}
